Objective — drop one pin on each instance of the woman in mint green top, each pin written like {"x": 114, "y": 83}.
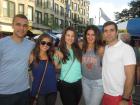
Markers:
{"x": 70, "y": 74}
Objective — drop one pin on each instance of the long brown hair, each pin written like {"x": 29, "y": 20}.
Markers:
{"x": 36, "y": 50}
{"x": 97, "y": 37}
{"x": 76, "y": 50}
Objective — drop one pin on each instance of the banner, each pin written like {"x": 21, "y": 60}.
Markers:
{"x": 103, "y": 15}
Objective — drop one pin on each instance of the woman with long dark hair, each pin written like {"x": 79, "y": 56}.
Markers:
{"x": 91, "y": 66}
{"x": 42, "y": 66}
{"x": 70, "y": 74}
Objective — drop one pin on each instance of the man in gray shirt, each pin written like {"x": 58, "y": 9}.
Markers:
{"x": 14, "y": 57}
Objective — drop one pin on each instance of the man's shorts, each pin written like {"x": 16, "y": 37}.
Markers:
{"x": 113, "y": 100}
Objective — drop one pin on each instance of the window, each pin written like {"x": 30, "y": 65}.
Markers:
{"x": 38, "y": 3}
{"x": 62, "y": 1}
{"x": 72, "y": 15}
{"x": 84, "y": 3}
{"x": 72, "y": 6}
{"x": 45, "y": 3}
{"x": 21, "y": 8}
{"x": 52, "y": 4}
{"x": 56, "y": 9}
{"x": 38, "y": 17}
{"x": 30, "y": 12}
{"x": 81, "y": 11}
{"x": 61, "y": 23}
{"x": 66, "y": 22}
{"x": 78, "y": 8}
{"x": 61, "y": 11}
{"x": 50, "y": 20}
{"x": 75, "y": 7}
{"x": 46, "y": 18}
{"x": 11, "y": 9}
{"x": 56, "y": 21}
{"x": 84, "y": 12}
{"x": 8, "y": 8}
{"x": 5, "y": 8}
{"x": 67, "y": 8}
{"x": 88, "y": 8}
{"x": 87, "y": 15}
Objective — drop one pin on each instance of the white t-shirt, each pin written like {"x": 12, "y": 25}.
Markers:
{"x": 114, "y": 60}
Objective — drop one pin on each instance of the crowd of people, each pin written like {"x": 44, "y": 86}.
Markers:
{"x": 101, "y": 68}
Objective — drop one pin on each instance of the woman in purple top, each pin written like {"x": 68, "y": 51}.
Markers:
{"x": 42, "y": 55}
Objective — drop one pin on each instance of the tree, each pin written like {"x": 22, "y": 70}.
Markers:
{"x": 135, "y": 8}
{"x": 126, "y": 14}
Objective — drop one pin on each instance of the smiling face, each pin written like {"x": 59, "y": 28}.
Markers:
{"x": 20, "y": 27}
{"x": 45, "y": 44}
{"x": 69, "y": 38}
{"x": 90, "y": 36}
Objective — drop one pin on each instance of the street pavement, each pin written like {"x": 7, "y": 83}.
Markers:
{"x": 58, "y": 101}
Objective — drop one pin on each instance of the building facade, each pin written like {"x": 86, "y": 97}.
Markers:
{"x": 45, "y": 15}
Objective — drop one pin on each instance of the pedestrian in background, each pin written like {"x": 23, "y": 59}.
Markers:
{"x": 14, "y": 60}
{"x": 42, "y": 64}
{"x": 70, "y": 74}
{"x": 118, "y": 68}
{"x": 80, "y": 43}
{"x": 91, "y": 66}
{"x": 137, "y": 53}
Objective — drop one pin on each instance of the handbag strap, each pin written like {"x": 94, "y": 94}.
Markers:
{"x": 68, "y": 70}
{"x": 39, "y": 88}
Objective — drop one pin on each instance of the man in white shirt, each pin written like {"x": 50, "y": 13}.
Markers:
{"x": 118, "y": 68}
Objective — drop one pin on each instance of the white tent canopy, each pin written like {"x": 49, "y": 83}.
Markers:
{"x": 122, "y": 26}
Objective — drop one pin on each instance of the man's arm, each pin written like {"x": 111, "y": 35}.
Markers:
{"x": 128, "y": 86}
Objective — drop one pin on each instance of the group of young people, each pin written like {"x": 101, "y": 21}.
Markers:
{"x": 102, "y": 74}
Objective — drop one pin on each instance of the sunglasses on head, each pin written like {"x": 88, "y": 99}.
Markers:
{"x": 45, "y": 43}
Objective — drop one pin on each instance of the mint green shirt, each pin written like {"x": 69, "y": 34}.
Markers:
{"x": 74, "y": 73}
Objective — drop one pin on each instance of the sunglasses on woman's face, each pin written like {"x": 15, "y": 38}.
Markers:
{"x": 46, "y": 43}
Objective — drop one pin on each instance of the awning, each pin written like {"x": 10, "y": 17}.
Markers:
{"x": 6, "y": 28}
{"x": 133, "y": 27}
{"x": 37, "y": 32}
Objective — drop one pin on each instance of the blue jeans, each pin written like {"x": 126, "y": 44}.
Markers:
{"x": 92, "y": 91}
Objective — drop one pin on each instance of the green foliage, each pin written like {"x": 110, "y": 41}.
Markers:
{"x": 126, "y": 14}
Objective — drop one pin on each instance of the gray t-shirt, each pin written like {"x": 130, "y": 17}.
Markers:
{"x": 91, "y": 66}
{"x": 14, "y": 59}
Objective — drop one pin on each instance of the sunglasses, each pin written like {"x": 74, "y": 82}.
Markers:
{"x": 46, "y": 43}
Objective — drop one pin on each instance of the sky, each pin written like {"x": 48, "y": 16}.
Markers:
{"x": 108, "y": 6}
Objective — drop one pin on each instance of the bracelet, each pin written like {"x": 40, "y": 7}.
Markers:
{"x": 126, "y": 99}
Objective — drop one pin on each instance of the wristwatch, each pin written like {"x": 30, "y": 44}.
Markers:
{"x": 125, "y": 99}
